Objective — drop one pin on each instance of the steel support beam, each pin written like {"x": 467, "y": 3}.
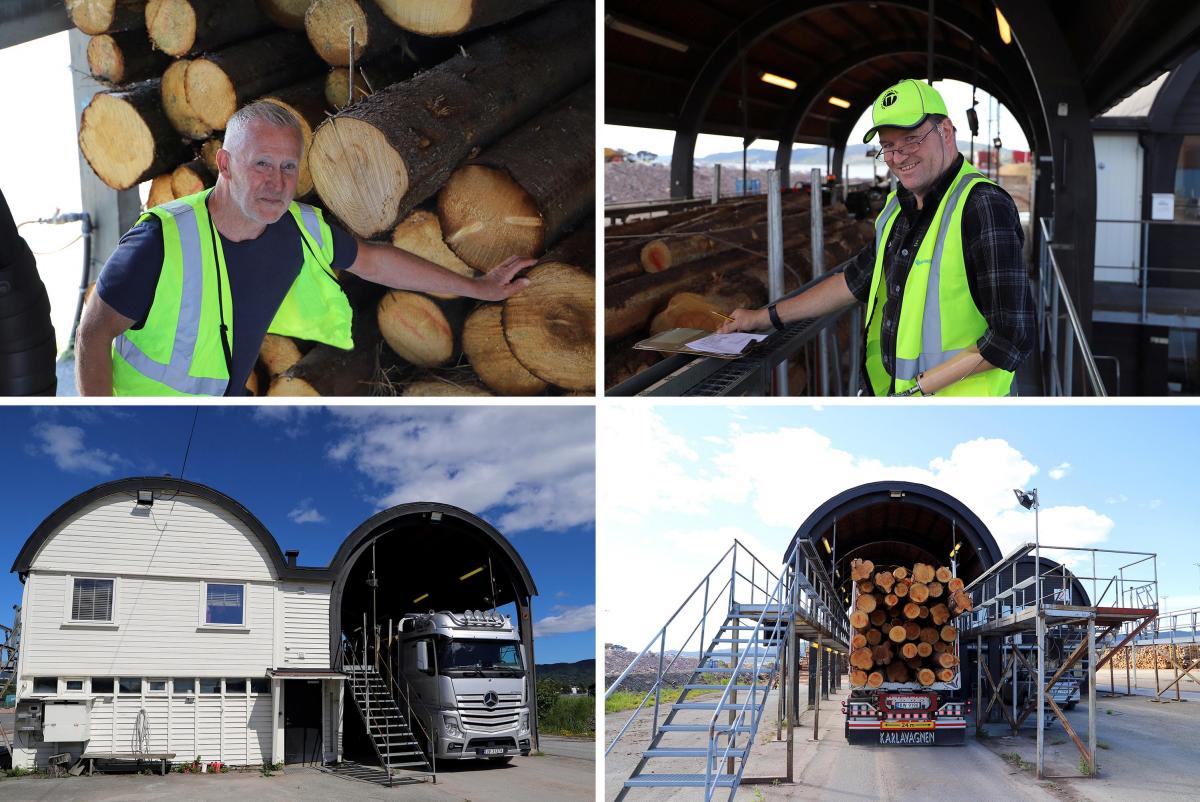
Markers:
{"x": 25, "y": 20}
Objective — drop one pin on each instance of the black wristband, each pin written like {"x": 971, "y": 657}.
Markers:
{"x": 775, "y": 321}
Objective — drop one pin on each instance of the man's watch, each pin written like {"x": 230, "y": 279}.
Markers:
{"x": 914, "y": 390}
{"x": 774, "y": 315}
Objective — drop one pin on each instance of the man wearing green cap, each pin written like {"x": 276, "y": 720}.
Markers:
{"x": 948, "y": 306}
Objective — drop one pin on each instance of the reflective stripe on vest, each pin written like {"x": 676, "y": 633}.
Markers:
{"x": 931, "y": 322}
{"x": 174, "y": 374}
{"x": 308, "y": 216}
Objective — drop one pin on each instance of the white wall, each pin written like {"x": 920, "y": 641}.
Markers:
{"x": 183, "y": 536}
{"x": 305, "y": 625}
{"x": 158, "y": 632}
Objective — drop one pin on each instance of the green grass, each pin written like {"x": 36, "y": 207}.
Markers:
{"x": 1015, "y": 760}
{"x": 624, "y": 700}
{"x": 570, "y": 715}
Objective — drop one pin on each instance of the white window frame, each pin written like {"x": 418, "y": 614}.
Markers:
{"x": 84, "y": 691}
{"x": 68, "y": 603}
{"x": 243, "y": 626}
{"x": 33, "y": 691}
{"x": 148, "y": 691}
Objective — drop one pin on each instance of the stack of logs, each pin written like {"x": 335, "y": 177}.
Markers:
{"x": 683, "y": 270}
{"x": 1183, "y": 653}
{"x": 901, "y": 624}
{"x": 470, "y": 139}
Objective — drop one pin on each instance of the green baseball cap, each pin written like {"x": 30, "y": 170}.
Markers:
{"x": 905, "y": 105}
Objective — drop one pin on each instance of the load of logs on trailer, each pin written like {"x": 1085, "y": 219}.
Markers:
{"x": 901, "y": 622}
{"x": 683, "y": 270}
{"x": 470, "y": 139}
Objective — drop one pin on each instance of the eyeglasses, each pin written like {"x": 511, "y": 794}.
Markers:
{"x": 904, "y": 150}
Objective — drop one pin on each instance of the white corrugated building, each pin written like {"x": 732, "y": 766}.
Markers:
{"x": 160, "y": 616}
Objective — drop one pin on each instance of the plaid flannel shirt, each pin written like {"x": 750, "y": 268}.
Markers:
{"x": 992, "y": 242}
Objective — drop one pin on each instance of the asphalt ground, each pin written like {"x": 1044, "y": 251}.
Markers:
{"x": 1146, "y": 752}
{"x": 565, "y": 771}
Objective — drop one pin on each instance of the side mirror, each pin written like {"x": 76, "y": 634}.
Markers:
{"x": 423, "y": 656}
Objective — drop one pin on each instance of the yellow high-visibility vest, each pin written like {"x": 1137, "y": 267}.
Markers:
{"x": 938, "y": 316}
{"x": 179, "y": 351}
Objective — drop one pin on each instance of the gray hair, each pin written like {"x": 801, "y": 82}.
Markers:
{"x": 264, "y": 111}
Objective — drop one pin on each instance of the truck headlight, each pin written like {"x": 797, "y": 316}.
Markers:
{"x": 523, "y": 726}
{"x": 450, "y": 725}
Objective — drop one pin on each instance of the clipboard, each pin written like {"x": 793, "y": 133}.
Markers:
{"x": 677, "y": 341}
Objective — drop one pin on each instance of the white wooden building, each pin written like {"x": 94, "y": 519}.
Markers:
{"x": 160, "y": 616}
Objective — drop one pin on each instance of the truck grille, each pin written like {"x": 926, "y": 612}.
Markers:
{"x": 479, "y": 717}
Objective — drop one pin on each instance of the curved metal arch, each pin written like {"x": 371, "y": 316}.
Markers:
{"x": 803, "y": 104}
{"x": 973, "y": 530}
{"x": 48, "y": 527}
{"x": 368, "y": 530}
{"x": 725, "y": 55}
{"x": 1179, "y": 84}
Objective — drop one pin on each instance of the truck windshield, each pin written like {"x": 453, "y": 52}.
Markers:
{"x": 480, "y": 656}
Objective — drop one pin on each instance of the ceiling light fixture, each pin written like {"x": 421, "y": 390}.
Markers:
{"x": 776, "y": 80}
{"x": 641, "y": 33}
{"x": 837, "y": 101}
{"x": 1005, "y": 28}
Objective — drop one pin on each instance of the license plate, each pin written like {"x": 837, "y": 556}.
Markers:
{"x": 906, "y": 725}
{"x": 493, "y": 751}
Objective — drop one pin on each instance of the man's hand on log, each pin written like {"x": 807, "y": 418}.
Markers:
{"x": 500, "y": 282}
{"x": 746, "y": 320}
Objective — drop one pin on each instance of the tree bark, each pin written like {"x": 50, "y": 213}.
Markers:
{"x": 287, "y": 14}
{"x": 378, "y": 158}
{"x": 551, "y": 326}
{"x": 126, "y": 137}
{"x": 220, "y": 83}
{"x": 95, "y": 17}
{"x": 521, "y": 194}
{"x": 180, "y": 27}
{"x": 124, "y": 57}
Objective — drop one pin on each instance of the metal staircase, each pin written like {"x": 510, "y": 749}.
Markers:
{"x": 750, "y": 614}
{"x": 390, "y": 729}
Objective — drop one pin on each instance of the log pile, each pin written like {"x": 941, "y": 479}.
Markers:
{"x": 684, "y": 270}
{"x": 1147, "y": 655}
{"x": 463, "y": 149}
{"x": 901, "y": 624}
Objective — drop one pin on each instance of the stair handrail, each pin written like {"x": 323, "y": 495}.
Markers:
{"x": 347, "y": 653}
{"x": 394, "y": 683}
{"x": 660, "y": 636}
{"x": 1048, "y": 298}
{"x": 752, "y": 645}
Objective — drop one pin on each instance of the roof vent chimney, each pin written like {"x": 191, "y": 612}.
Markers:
{"x": 291, "y": 555}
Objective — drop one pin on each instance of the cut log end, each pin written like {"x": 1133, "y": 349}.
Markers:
{"x": 182, "y": 116}
{"x": 859, "y": 620}
{"x": 875, "y": 679}
{"x": 550, "y": 326}
{"x": 487, "y": 216}
{"x": 328, "y": 24}
{"x": 210, "y": 93}
{"x": 433, "y": 389}
{"x": 161, "y": 190}
{"x": 278, "y": 353}
{"x": 444, "y": 18}
{"x": 421, "y": 233}
{"x": 105, "y": 59}
{"x": 488, "y": 351}
{"x": 926, "y": 676}
{"x": 415, "y": 328}
{"x": 867, "y": 603}
{"x": 95, "y": 17}
{"x": 897, "y": 634}
{"x": 358, "y": 175}
{"x": 171, "y": 25}
{"x": 116, "y": 141}
{"x": 291, "y": 387}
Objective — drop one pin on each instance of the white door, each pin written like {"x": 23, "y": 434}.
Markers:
{"x": 1118, "y": 197}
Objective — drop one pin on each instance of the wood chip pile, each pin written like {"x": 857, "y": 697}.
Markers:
{"x": 470, "y": 138}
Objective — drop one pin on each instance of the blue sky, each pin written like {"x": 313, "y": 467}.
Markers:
{"x": 312, "y": 474}
{"x": 687, "y": 480}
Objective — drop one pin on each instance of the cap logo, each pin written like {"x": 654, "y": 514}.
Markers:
{"x": 889, "y": 98}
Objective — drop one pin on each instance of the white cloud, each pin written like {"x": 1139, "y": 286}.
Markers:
{"x": 306, "y": 513}
{"x": 566, "y": 619}
{"x": 64, "y": 444}
{"x": 1060, "y": 471}
{"x": 288, "y": 419}
{"x": 1120, "y": 498}
{"x": 525, "y": 467}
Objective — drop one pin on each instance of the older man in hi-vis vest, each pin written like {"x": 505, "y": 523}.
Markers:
{"x": 948, "y": 305}
{"x": 182, "y": 305}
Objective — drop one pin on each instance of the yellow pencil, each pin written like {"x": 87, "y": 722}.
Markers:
{"x": 718, "y": 314}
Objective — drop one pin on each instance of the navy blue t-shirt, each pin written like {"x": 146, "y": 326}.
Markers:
{"x": 261, "y": 272}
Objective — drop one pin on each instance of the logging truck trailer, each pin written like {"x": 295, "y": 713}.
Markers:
{"x": 466, "y": 674}
{"x": 908, "y": 713}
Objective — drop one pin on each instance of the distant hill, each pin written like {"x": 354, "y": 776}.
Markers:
{"x": 581, "y": 674}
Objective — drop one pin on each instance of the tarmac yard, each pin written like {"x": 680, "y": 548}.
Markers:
{"x": 565, "y": 771}
{"x": 1146, "y": 751}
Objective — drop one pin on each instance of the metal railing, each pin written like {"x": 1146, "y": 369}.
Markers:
{"x": 1181, "y": 624}
{"x": 1052, "y": 293}
{"x": 711, "y": 591}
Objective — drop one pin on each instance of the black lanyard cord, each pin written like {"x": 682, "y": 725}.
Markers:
{"x": 220, "y": 303}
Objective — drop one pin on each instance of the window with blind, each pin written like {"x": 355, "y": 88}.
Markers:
{"x": 92, "y": 600}
{"x": 225, "y": 604}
